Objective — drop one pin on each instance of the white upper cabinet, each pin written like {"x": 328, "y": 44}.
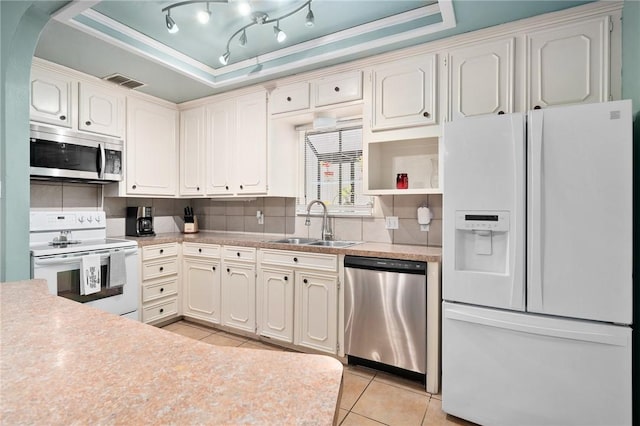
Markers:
{"x": 220, "y": 131}
{"x": 291, "y": 97}
{"x": 50, "y": 98}
{"x": 152, "y": 134}
{"x": 569, "y": 64}
{"x": 338, "y": 88}
{"x": 192, "y": 152}
{"x": 250, "y": 147}
{"x": 481, "y": 79}
{"x": 101, "y": 110}
{"x": 404, "y": 93}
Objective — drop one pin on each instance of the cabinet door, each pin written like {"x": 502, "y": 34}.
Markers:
{"x": 151, "y": 148}
{"x": 192, "y": 157}
{"x": 220, "y": 129}
{"x": 404, "y": 93}
{"x": 50, "y": 98}
{"x": 276, "y": 303}
{"x": 569, "y": 65}
{"x": 317, "y": 311}
{"x": 201, "y": 283}
{"x": 239, "y": 296}
{"x": 481, "y": 79}
{"x": 250, "y": 147}
{"x": 100, "y": 110}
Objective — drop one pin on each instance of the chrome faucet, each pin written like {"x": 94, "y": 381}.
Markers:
{"x": 327, "y": 233}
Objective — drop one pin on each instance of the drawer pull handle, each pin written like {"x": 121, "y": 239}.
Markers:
{"x": 199, "y": 250}
{"x": 305, "y": 281}
{"x": 295, "y": 259}
{"x": 161, "y": 289}
{"x": 500, "y": 112}
{"x": 536, "y": 107}
{"x": 161, "y": 268}
{"x": 161, "y": 310}
{"x": 161, "y": 251}
{"x": 63, "y": 117}
{"x": 337, "y": 89}
{"x": 288, "y": 98}
{"x": 238, "y": 253}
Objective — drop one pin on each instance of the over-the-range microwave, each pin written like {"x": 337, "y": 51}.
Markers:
{"x": 65, "y": 154}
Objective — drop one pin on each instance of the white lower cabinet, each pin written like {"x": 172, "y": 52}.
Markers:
{"x": 316, "y": 311}
{"x": 201, "y": 278}
{"x": 298, "y": 298}
{"x": 239, "y": 288}
{"x": 160, "y": 290}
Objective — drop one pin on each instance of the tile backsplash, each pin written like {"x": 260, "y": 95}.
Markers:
{"x": 240, "y": 216}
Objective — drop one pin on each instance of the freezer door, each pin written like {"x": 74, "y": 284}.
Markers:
{"x": 484, "y": 211}
{"x": 510, "y": 368}
{"x": 580, "y": 212}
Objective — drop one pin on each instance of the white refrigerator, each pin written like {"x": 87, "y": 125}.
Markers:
{"x": 537, "y": 267}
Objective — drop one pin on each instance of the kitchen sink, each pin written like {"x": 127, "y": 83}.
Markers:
{"x": 295, "y": 240}
{"x": 338, "y": 244}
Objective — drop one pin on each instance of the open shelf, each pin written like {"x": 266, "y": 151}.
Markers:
{"x": 418, "y": 158}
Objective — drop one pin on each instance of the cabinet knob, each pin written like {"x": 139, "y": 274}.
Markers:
{"x": 161, "y": 289}
{"x": 161, "y": 310}
{"x": 213, "y": 268}
{"x": 288, "y": 98}
{"x": 286, "y": 278}
{"x": 337, "y": 89}
{"x": 238, "y": 254}
{"x": 426, "y": 114}
{"x": 134, "y": 186}
{"x": 228, "y": 270}
{"x": 295, "y": 259}
{"x": 199, "y": 250}
{"x": 161, "y": 268}
{"x": 241, "y": 187}
{"x": 197, "y": 188}
{"x": 226, "y": 187}
{"x": 63, "y": 117}
{"x": 305, "y": 281}
{"x": 537, "y": 107}
{"x": 88, "y": 123}
{"x": 161, "y": 251}
{"x": 500, "y": 112}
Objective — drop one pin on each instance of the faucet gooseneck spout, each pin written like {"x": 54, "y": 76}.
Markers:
{"x": 327, "y": 233}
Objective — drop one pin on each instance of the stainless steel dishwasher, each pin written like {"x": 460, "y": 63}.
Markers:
{"x": 386, "y": 312}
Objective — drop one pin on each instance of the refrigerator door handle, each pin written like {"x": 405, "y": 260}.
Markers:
{"x": 562, "y": 333}
{"x": 535, "y": 229}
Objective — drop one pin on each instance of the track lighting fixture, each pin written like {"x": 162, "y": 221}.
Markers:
{"x": 204, "y": 15}
{"x": 244, "y": 8}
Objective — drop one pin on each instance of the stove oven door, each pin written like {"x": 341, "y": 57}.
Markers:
{"x": 62, "y": 273}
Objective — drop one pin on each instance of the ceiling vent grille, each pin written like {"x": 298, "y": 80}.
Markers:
{"x": 124, "y": 81}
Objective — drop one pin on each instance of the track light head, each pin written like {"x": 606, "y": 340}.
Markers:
{"x": 281, "y": 36}
{"x": 204, "y": 15}
{"x": 310, "y": 20}
{"x": 224, "y": 59}
{"x": 172, "y": 27}
{"x": 243, "y": 38}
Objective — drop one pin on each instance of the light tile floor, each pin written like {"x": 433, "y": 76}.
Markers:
{"x": 369, "y": 397}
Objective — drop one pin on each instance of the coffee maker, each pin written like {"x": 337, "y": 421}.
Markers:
{"x": 139, "y": 222}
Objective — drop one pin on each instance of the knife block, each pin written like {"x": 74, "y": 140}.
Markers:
{"x": 191, "y": 227}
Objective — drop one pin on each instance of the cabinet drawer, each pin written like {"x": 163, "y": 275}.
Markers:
{"x": 160, "y": 310}
{"x": 158, "y": 289}
{"x": 247, "y": 254}
{"x": 160, "y": 268}
{"x": 159, "y": 250}
{"x": 339, "y": 88}
{"x": 315, "y": 261}
{"x": 201, "y": 250}
{"x": 292, "y": 97}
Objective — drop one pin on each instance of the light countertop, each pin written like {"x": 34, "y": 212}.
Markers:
{"x": 385, "y": 250}
{"x": 66, "y": 363}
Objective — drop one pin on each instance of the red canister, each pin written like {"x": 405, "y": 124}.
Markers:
{"x": 402, "y": 181}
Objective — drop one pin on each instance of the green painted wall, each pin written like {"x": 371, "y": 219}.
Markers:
{"x": 20, "y": 29}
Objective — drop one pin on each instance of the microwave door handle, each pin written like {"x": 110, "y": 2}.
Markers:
{"x": 101, "y": 161}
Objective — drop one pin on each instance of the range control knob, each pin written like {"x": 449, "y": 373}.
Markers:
{"x": 89, "y": 219}
{"x": 80, "y": 219}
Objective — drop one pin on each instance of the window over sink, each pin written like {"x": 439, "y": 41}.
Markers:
{"x": 331, "y": 163}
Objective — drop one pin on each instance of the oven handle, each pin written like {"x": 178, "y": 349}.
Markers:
{"x": 63, "y": 260}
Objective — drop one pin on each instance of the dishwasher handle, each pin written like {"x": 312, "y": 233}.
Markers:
{"x": 387, "y": 265}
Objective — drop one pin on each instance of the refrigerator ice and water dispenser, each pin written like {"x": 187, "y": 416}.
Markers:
{"x": 482, "y": 241}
